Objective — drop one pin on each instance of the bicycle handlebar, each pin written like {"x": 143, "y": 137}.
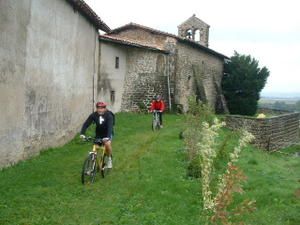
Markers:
{"x": 89, "y": 139}
{"x": 155, "y": 111}
{"x": 95, "y": 140}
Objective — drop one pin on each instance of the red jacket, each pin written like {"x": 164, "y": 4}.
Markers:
{"x": 157, "y": 105}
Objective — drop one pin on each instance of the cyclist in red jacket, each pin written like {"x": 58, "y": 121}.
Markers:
{"x": 158, "y": 105}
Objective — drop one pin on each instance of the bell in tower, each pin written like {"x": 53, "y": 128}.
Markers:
{"x": 194, "y": 29}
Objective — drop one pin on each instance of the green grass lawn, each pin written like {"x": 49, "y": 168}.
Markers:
{"x": 148, "y": 184}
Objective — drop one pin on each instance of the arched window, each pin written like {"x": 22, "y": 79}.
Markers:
{"x": 189, "y": 34}
{"x": 197, "y": 36}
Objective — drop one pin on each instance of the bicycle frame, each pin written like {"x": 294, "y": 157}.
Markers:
{"x": 96, "y": 149}
{"x": 98, "y": 163}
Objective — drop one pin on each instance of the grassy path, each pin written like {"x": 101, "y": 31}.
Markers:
{"x": 147, "y": 185}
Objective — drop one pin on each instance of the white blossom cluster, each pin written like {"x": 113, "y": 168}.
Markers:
{"x": 207, "y": 152}
{"x": 246, "y": 138}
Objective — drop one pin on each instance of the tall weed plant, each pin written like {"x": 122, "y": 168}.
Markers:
{"x": 197, "y": 114}
{"x": 202, "y": 131}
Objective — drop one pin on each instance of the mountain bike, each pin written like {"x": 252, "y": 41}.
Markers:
{"x": 93, "y": 164}
{"x": 155, "y": 120}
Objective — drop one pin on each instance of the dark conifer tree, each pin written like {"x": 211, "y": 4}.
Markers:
{"x": 242, "y": 83}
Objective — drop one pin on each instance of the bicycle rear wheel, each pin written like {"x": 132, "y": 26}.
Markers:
{"x": 155, "y": 123}
{"x": 103, "y": 165}
{"x": 88, "y": 173}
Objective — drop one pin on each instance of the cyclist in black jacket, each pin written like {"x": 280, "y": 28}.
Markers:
{"x": 104, "y": 120}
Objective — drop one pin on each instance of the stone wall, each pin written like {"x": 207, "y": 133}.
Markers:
{"x": 273, "y": 112}
{"x": 48, "y": 58}
{"x": 145, "y": 78}
{"x": 270, "y": 133}
{"x": 147, "y": 71}
{"x": 197, "y": 73}
{"x": 191, "y": 69}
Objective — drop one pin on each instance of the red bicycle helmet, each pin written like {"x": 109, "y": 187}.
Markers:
{"x": 101, "y": 104}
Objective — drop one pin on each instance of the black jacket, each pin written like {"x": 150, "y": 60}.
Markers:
{"x": 104, "y": 124}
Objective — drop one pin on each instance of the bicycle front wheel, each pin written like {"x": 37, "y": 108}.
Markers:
{"x": 155, "y": 125}
{"x": 88, "y": 173}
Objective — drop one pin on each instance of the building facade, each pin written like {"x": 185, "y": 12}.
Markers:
{"x": 130, "y": 74}
{"x": 47, "y": 67}
{"x": 184, "y": 67}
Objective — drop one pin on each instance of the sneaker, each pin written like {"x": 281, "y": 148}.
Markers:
{"x": 88, "y": 173}
{"x": 109, "y": 163}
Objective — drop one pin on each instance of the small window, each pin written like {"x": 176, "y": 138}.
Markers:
{"x": 112, "y": 96}
{"x": 117, "y": 63}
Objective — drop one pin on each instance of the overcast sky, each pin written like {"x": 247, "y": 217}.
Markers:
{"x": 267, "y": 30}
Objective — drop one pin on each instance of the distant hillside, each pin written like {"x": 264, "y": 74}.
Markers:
{"x": 286, "y": 101}
{"x": 281, "y": 95}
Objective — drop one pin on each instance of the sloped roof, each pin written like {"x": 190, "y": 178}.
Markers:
{"x": 89, "y": 14}
{"x": 180, "y": 39}
{"x": 135, "y": 25}
{"x": 130, "y": 43}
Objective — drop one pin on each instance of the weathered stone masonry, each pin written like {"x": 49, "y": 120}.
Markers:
{"x": 141, "y": 75}
{"x": 270, "y": 133}
{"x": 146, "y": 77}
{"x": 194, "y": 29}
{"x": 191, "y": 67}
{"x": 197, "y": 73}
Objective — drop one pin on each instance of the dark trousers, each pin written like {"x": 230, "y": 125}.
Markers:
{"x": 160, "y": 117}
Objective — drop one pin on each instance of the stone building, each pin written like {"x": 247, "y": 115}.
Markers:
{"x": 48, "y": 60}
{"x": 130, "y": 73}
{"x": 179, "y": 67}
{"x": 54, "y": 65}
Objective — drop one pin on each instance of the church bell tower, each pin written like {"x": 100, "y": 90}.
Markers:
{"x": 194, "y": 29}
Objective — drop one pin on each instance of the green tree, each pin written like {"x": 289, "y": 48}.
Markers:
{"x": 242, "y": 83}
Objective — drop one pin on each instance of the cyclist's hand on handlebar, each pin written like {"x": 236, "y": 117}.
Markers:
{"x": 82, "y": 136}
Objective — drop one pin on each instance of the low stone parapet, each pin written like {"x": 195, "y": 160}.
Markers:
{"x": 270, "y": 133}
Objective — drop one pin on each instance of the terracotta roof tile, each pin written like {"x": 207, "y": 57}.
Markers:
{"x": 87, "y": 12}
{"x": 129, "y": 25}
{"x": 131, "y": 43}
{"x": 180, "y": 39}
